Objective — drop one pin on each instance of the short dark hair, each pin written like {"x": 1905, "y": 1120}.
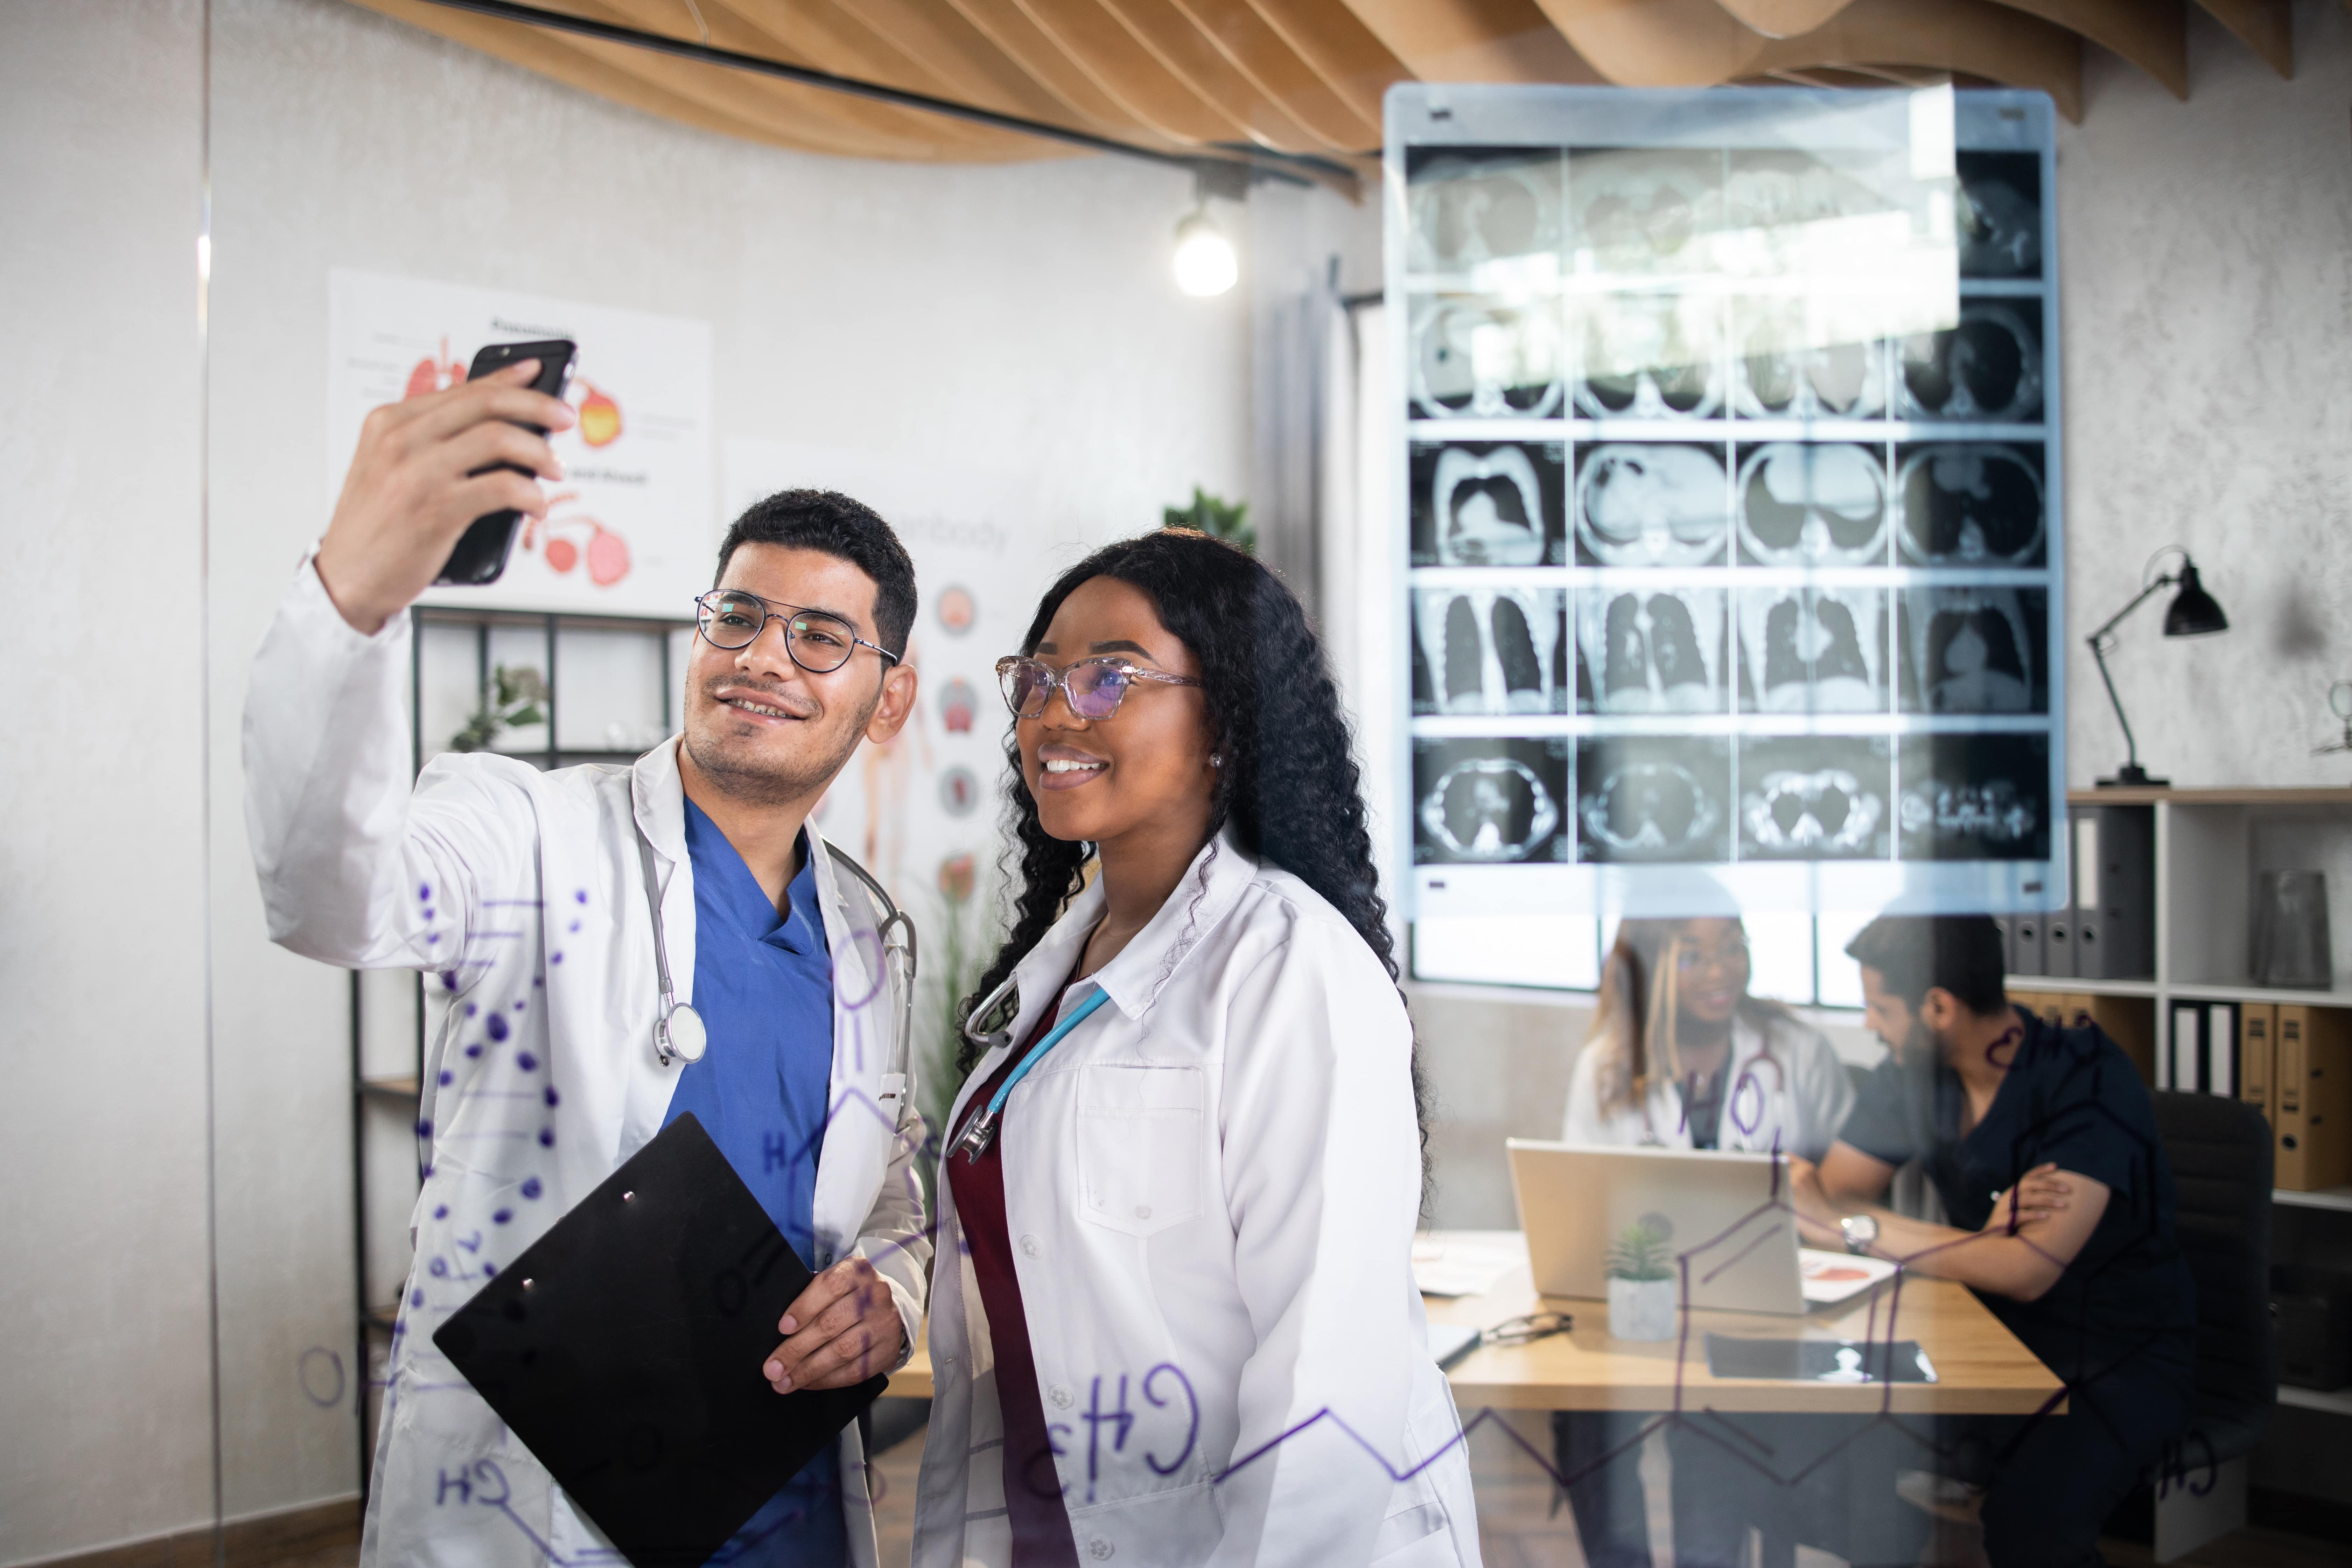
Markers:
{"x": 846, "y": 530}
{"x": 1960, "y": 952}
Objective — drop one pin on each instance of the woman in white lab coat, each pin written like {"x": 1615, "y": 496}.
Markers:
{"x": 1682, "y": 1057}
{"x": 1175, "y": 1322}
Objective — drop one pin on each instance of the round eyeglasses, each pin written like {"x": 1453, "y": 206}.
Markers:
{"x": 818, "y": 642}
{"x": 1092, "y": 688}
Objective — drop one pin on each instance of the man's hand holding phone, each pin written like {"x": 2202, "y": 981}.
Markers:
{"x": 416, "y": 484}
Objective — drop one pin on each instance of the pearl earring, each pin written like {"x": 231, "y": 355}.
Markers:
{"x": 1216, "y": 760}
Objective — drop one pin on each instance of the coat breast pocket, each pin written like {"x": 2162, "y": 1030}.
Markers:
{"x": 1139, "y": 1157}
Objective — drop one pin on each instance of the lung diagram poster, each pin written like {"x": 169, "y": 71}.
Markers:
{"x": 631, "y": 528}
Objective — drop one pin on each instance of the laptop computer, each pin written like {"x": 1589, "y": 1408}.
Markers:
{"x": 1731, "y": 1238}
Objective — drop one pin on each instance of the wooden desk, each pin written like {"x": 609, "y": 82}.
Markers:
{"x": 1981, "y": 1365}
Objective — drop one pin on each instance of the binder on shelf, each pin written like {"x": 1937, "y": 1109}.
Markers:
{"x": 2222, "y": 1050}
{"x": 2314, "y": 1098}
{"x": 2058, "y": 943}
{"x": 2129, "y": 1020}
{"x": 2113, "y": 916}
{"x": 2007, "y": 926}
{"x": 2257, "y": 1057}
{"x": 2185, "y": 1062}
{"x": 2025, "y": 943}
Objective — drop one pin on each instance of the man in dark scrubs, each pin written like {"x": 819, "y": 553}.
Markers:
{"x": 2041, "y": 1143}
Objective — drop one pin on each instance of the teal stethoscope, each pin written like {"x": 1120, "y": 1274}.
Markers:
{"x": 981, "y": 1132}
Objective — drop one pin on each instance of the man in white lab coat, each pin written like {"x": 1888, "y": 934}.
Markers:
{"x": 528, "y": 898}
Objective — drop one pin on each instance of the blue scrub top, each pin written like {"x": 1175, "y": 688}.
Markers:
{"x": 763, "y": 987}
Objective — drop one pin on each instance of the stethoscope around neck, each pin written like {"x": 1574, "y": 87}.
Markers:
{"x": 679, "y": 1031}
{"x": 678, "y": 1028}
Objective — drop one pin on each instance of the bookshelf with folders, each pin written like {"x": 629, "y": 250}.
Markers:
{"x": 2167, "y": 885}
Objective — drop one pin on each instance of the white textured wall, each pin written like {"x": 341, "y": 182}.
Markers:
{"x": 2206, "y": 272}
{"x": 104, "y": 1343}
{"x": 1017, "y": 318}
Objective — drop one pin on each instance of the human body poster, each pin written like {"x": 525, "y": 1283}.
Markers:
{"x": 631, "y": 527}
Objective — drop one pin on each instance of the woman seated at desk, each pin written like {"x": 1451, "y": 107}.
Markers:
{"x": 1681, "y": 1056}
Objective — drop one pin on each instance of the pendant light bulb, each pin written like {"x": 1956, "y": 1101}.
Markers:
{"x": 1205, "y": 262}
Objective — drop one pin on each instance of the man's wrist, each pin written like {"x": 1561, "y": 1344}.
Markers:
{"x": 1859, "y": 1231}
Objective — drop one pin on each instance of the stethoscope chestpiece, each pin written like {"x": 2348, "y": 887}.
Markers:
{"x": 678, "y": 1032}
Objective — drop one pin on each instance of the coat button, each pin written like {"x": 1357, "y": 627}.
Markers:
{"x": 1059, "y": 1395}
{"x": 1143, "y": 1211}
{"x": 1029, "y": 1247}
{"x": 1098, "y": 1549}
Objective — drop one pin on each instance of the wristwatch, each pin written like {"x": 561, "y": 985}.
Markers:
{"x": 1859, "y": 1230}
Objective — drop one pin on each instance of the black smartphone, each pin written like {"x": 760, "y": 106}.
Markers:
{"x": 482, "y": 551}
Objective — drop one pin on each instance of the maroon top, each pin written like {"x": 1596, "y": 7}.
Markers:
{"x": 1033, "y": 1489}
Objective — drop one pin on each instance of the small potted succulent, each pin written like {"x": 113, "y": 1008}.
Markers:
{"x": 1642, "y": 1281}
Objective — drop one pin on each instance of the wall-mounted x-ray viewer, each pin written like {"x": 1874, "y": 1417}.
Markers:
{"x": 1727, "y": 499}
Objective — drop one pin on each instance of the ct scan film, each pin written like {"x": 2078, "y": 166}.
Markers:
{"x": 1728, "y": 499}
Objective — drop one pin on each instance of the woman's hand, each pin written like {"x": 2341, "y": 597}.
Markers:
{"x": 840, "y": 1331}
{"x": 2043, "y": 1193}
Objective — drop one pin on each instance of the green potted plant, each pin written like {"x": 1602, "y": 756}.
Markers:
{"x": 512, "y": 700}
{"x": 1216, "y": 517}
{"x": 1642, "y": 1281}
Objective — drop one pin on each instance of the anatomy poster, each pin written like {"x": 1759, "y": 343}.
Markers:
{"x": 631, "y": 527}
{"x": 1727, "y": 499}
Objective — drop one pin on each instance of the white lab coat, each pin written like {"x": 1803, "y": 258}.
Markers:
{"x": 521, "y": 896}
{"x": 1787, "y": 1091}
{"x": 1211, "y": 1186}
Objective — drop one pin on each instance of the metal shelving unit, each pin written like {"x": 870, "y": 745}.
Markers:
{"x": 380, "y": 1093}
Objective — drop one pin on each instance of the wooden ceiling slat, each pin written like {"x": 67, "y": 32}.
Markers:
{"x": 803, "y": 119}
{"x": 2151, "y": 34}
{"x": 2265, "y": 27}
{"x": 909, "y": 135}
{"x": 935, "y": 40}
{"x": 1782, "y": 19}
{"x": 1009, "y": 25}
{"x": 1163, "y": 29}
{"x": 1841, "y": 76}
{"x": 1297, "y": 76}
{"x": 1265, "y": 59}
{"x": 1475, "y": 40}
{"x": 1972, "y": 38}
{"x": 1100, "y": 44}
{"x": 1340, "y": 49}
{"x": 817, "y": 48}
{"x": 1658, "y": 43}
{"x": 746, "y": 28}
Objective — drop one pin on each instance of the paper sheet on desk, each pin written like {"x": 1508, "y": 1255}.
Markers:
{"x": 1465, "y": 1262}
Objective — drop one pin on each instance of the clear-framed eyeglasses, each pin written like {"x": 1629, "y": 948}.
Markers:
{"x": 1094, "y": 688}
{"x": 818, "y": 642}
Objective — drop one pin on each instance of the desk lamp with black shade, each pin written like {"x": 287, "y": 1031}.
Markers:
{"x": 2191, "y": 613}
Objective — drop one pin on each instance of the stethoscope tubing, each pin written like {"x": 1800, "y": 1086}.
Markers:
{"x": 678, "y": 1030}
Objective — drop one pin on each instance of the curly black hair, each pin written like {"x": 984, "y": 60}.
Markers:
{"x": 1289, "y": 789}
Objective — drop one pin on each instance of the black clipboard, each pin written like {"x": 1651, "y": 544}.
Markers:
{"x": 624, "y": 1349}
